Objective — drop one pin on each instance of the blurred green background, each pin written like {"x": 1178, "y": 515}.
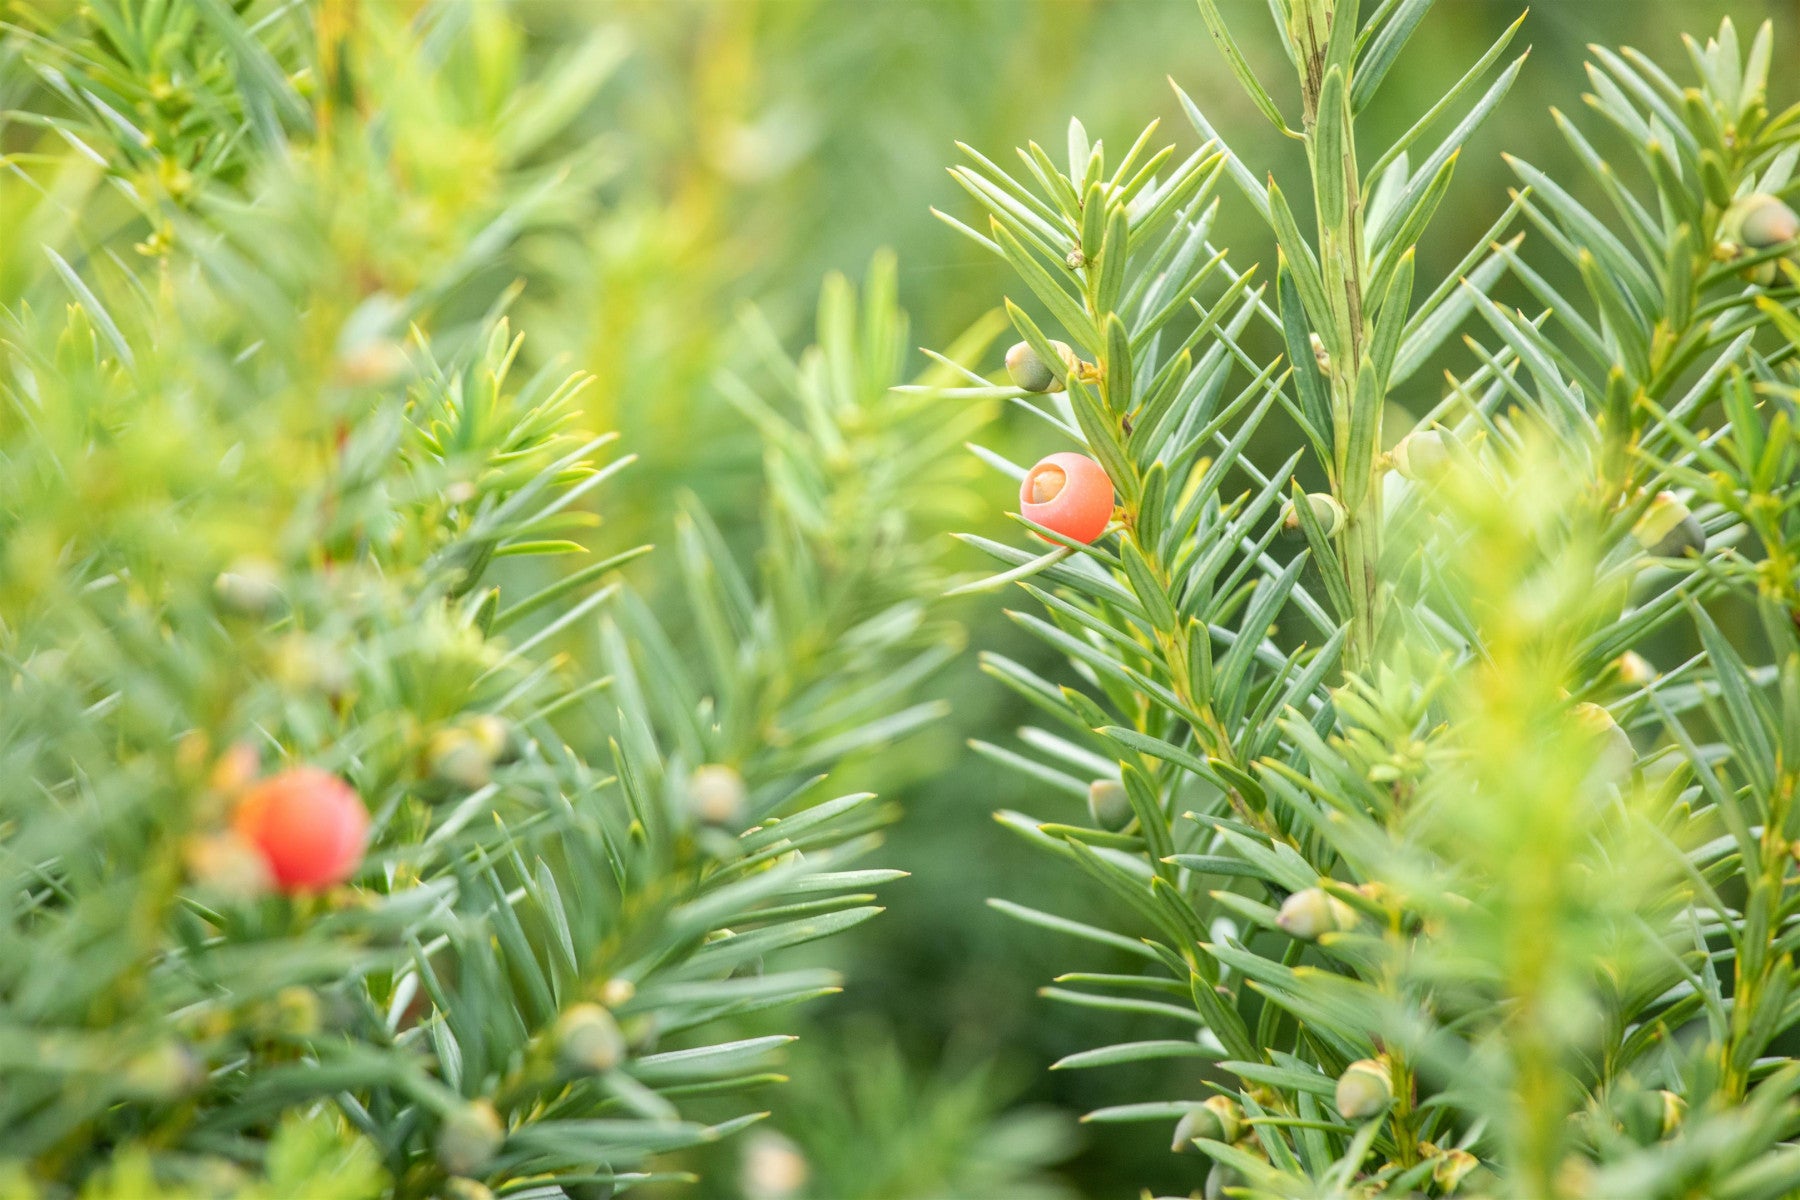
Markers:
{"x": 742, "y": 149}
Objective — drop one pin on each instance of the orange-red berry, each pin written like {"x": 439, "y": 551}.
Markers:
{"x": 1070, "y": 494}
{"x": 308, "y": 825}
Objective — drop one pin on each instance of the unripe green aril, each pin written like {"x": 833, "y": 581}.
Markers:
{"x": 1109, "y": 805}
{"x": 1217, "y": 1120}
{"x": 1668, "y": 530}
{"x": 1027, "y": 368}
{"x": 588, "y": 1040}
{"x": 1763, "y": 274}
{"x": 1195, "y": 1123}
{"x": 1422, "y": 455}
{"x": 1365, "y": 1089}
{"x": 1231, "y": 1117}
{"x": 1325, "y": 510}
{"x": 717, "y": 794}
{"x": 1762, "y": 222}
{"x": 1312, "y": 912}
{"x": 469, "y": 1138}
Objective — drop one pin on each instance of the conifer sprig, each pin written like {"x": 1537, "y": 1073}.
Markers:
{"x": 1445, "y": 876}
{"x": 283, "y": 487}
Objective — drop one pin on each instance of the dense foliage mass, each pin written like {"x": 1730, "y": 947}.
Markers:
{"x": 1447, "y": 888}
{"x": 352, "y": 845}
{"x": 381, "y": 814}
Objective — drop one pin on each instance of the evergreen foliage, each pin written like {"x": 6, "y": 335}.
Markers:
{"x": 1437, "y": 884}
{"x": 1442, "y": 885}
{"x": 279, "y": 489}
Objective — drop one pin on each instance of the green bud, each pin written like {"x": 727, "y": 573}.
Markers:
{"x": 588, "y": 1040}
{"x": 1422, "y": 455}
{"x": 1365, "y": 1089}
{"x": 1325, "y": 510}
{"x": 1761, "y": 222}
{"x": 1195, "y": 1123}
{"x": 1312, "y": 912}
{"x": 1218, "y": 1120}
{"x": 1028, "y": 370}
{"x": 1109, "y": 805}
{"x": 717, "y": 795}
{"x": 1668, "y": 530}
{"x": 469, "y": 1138}
{"x": 1451, "y": 1168}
